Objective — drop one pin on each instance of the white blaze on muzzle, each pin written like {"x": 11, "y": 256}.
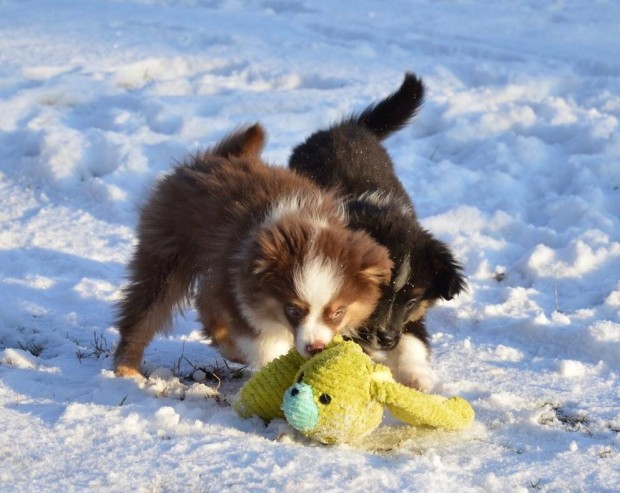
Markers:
{"x": 316, "y": 283}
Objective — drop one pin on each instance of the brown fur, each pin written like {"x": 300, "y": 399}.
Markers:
{"x": 211, "y": 224}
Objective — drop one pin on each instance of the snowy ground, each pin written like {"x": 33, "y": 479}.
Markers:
{"x": 514, "y": 160}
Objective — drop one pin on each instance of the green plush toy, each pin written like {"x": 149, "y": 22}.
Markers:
{"x": 338, "y": 396}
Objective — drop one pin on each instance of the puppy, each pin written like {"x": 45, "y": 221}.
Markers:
{"x": 265, "y": 253}
{"x": 349, "y": 157}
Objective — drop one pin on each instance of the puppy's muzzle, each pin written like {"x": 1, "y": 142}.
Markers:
{"x": 315, "y": 347}
{"x": 378, "y": 337}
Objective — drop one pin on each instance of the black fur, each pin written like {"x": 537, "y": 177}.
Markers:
{"x": 350, "y": 156}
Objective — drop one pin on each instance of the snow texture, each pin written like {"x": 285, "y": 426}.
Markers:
{"x": 514, "y": 160}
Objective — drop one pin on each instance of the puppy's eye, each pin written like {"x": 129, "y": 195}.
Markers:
{"x": 300, "y": 379}
{"x": 294, "y": 313}
{"x": 338, "y": 314}
{"x": 325, "y": 399}
{"x": 411, "y": 303}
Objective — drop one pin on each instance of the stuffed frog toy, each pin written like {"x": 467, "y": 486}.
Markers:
{"x": 339, "y": 396}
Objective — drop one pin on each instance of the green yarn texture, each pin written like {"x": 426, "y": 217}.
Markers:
{"x": 350, "y": 393}
{"x": 262, "y": 394}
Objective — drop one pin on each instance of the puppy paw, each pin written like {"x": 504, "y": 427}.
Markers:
{"x": 127, "y": 372}
{"x": 419, "y": 378}
{"x": 409, "y": 363}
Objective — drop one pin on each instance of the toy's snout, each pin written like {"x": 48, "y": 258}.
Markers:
{"x": 299, "y": 407}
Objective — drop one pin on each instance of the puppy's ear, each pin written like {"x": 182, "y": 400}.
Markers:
{"x": 378, "y": 273}
{"x": 448, "y": 279}
{"x": 245, "y": 142}
{"x": 375, "y": 263}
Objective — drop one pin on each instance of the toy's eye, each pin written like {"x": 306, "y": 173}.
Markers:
{"x": 300, "y": 379}
{"x": 325, "y": 399}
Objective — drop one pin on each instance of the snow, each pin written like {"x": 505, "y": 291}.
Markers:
{"x": 513, "y": 160}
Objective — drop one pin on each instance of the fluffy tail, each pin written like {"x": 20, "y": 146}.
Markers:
{"x": 243, "y": 142}
{"x": 394, "y": 112}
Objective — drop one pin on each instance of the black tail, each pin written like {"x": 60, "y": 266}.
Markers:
{"x": 394, "y": 112}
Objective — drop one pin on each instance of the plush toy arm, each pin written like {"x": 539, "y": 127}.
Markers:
{"x": 419, "y": 409}
{"x": 263, "y": 393}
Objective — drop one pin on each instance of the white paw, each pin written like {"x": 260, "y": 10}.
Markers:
{"x": 419, "y": 377}
{"x": 410, "y": 364}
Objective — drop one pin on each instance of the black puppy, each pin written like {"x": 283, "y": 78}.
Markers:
{"x": 349, "y": 156}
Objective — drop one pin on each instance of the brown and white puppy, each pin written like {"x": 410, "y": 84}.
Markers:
{"x": 265, "y": 253}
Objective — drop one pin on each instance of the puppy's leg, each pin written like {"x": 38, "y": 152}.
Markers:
{"x": 409, "y": 360}
{"x": 157, "y": 285}
{"x": 216, "y": 324}
{"x": 258, "y": 351}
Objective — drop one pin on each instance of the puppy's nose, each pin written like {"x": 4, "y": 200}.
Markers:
{"x": 315, "y": 347}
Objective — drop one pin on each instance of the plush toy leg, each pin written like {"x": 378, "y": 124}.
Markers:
{"x": 262, "y": 395}
{"x": 419, "y": 409}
